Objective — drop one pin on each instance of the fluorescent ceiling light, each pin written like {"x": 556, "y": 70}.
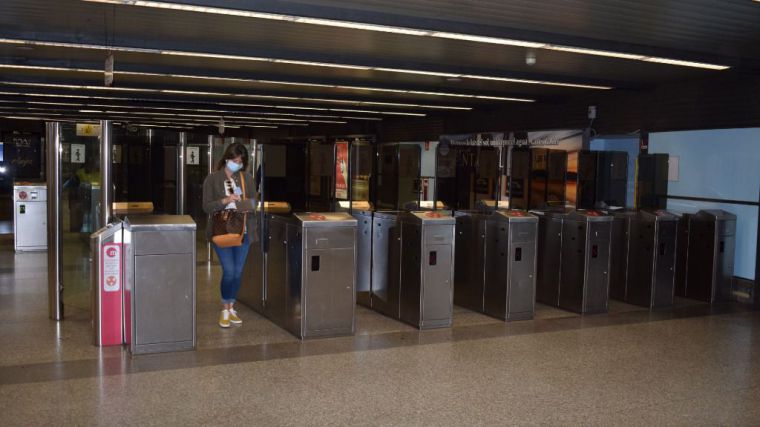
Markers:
{"x": 231, "y": 104}
{"x": 409, "y": 31}
{"x": 258, "y": 81}
{"x": 225, "y": 94}
{"x": 309, "y": 63}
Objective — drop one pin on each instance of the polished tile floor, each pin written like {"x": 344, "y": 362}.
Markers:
{"x": 692, "y": 365}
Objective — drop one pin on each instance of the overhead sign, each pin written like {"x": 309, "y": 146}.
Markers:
{"x": 88, "y": 129}
{"x": 192, "y": 156}
{"x": 77, "y": 153}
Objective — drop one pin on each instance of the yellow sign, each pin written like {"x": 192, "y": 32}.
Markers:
{"x": 88, "y": 129}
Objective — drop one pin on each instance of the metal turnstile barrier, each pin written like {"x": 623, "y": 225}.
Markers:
{"x": 619, "y": 252}
{"x": 712, "y": 240}
{"x": 308, "y": 274}
{"x": 470, "y": 259}
{"x": 682, "y": 254}
{"x": 160, "y": 283}
{"x": 585, "y": 263}
{"x": 386, "y": 263}
{"x": 107, "y": 285}
{"x": 363, "y": 257}
{"x": 427, "y": 268}
{"x": 549, "y": 254}
{"x": 510, "y": 265}
{"x": 253, "y": 283}
{"x": 652, "y": 259}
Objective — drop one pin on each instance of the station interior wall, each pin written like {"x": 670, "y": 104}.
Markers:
{"x": 717, "y": 164}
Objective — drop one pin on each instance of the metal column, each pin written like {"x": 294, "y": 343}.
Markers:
{"x": 106, "y": 165}
{"x": 210, "y": 155}
{"x": 53, "y": 141}
{"x": 181, "y": 173}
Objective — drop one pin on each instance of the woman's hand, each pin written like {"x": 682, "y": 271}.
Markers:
{"x": 231, "y": 198}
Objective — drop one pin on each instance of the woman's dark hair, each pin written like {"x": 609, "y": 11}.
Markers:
{"x": 234, "y": 150}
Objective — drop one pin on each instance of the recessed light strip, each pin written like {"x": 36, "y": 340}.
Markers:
{"x": 410, "y": 31}
{"x": 229, "y": 104}
{"x": 236, "y": 95}
{"x": 269, "y": 82}
{"x": 283, "y": 61}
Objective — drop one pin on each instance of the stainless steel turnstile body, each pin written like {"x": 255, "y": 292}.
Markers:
{"x": 308, "y": 275}
{"x": 363, "y": 257}
{"x": 549, "y": 254}
{"x": 427, "y": 268}
{"x": 160, "y": 283}
{"x": 470, "y": 259}
{"x": 386, "y": 263}
{"x": 510, "y": 265}
{"x": 712, "y": 240}
{"x": 585, "y": 263}
{"x": 619, "y": 250}
{"x": 652, "y": 259}
{"x": 682, "y": 254}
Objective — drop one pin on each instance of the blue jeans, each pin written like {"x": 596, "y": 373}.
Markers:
{"x": 232, "y": 260}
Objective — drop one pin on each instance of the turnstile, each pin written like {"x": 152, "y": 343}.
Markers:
{"x": 712, "y": 239}
{"x": 159, "y": 283}
{"x": 363, "y": 256}
{"x": 510, "y": 265}
{"x": 652, "y": 259}
{"x": 107, "y": 285}
{"x": 619, "y": 251}
{"x": 549, "y": 254}
{"x": 308, "y": 274}
{"x": 427, "y": 268}
{"x": 386, "y": 263}
{"x": 643, "y": 257}
{"x": 682, "y": 254}
{"x": 585, "y": 262}
{"x": 252, "y": 287}
{"x": 470, "y": 259}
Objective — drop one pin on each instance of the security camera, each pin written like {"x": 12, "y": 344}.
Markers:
{"x": 530, "y": 57}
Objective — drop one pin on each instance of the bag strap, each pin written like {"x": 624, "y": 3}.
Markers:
{"x": 242, "y": 185}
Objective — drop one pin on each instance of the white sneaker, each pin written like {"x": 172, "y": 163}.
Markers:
{"x": 224, "y": 319}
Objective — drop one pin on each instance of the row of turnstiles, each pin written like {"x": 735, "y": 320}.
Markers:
{"x": 310, "y": 269}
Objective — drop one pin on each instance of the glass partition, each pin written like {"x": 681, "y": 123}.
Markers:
{"x": 80, "y": 205}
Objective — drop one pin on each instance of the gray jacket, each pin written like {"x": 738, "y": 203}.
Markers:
{"x": 214, "y": 192}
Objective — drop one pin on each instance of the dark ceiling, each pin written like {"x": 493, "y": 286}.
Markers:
{"x": 39, "y": 77}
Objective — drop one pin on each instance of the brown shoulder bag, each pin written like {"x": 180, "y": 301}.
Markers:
{"x": 229, "y": 224}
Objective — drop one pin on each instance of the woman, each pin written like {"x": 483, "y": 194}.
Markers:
{"x": 221, "y": 190}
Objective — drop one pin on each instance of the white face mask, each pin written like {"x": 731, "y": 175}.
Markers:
{"x": 233, "y": 166}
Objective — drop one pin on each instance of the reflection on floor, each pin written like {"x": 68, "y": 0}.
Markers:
{"x": 690, "y": 365}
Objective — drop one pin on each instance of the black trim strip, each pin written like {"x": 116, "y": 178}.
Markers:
{"x": 706, "y": 199}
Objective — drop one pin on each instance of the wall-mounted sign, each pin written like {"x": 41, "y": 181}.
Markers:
{"x": 77, "y": 153}
{"x": 88, "y": 129}
{"x": 341, "y": 170}
{"x": 192, "y": 156}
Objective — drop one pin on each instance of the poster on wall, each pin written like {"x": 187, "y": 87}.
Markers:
{"x": 341, "y": 170}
